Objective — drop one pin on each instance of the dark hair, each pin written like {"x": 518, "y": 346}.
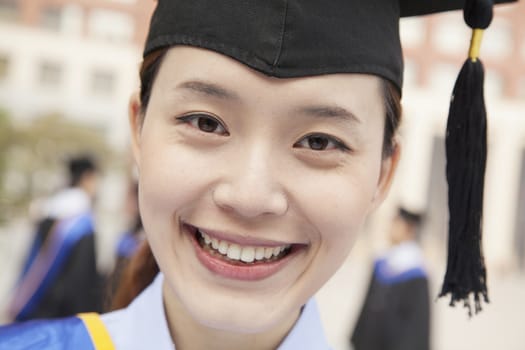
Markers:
{"x": 142, "y": 268}
{"x": 136, "y": 276}
{"x": 393, "y": 113}
{"x": 78, "y": 167}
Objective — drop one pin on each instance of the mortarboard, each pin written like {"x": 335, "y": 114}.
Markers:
{"x": 295, "y": 38}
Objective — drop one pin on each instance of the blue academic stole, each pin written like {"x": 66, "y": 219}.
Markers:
{"x": 384, "y": 275}
{"x": 43, "y": 266}
{"x": 82, "y": 332}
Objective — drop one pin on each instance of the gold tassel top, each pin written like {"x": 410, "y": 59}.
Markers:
{"x": 475, "y": 44}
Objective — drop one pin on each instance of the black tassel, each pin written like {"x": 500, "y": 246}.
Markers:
{"x": 466, "y": 149}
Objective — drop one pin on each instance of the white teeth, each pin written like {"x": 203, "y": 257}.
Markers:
{"x": 259, "y": 253}
{"x": 268, "y": 253}
{"x": 246, "y": 254}
{"x": 276, "y": 251}
{"x": 234, "y": 252}
{"x": 223, "y": 247}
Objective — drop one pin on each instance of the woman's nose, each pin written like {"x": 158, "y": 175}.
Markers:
{"x": 251, "y": 188}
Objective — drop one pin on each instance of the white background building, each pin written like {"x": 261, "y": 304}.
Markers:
{"x": 77, "y": 58}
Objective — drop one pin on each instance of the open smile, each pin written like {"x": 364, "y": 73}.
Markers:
{"x": 240, "y": 259}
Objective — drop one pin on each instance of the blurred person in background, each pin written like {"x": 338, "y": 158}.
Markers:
{"x": 396, "y": 311}
{"x": 129, "y": 240}
{"x": 59, "y": 276}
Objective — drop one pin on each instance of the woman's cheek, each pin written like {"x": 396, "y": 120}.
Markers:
{"x": 170, "y": 174}
{"x": 338, "y": 206}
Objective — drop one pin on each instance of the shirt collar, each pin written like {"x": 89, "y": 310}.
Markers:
{"x": 146, "y": 320}
{"x": 307, "y": 333}
{"x": 143, "y": 324}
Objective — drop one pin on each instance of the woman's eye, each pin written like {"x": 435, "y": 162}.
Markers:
{"x": 321, "y": 142}
{"x": 205, "y": 123}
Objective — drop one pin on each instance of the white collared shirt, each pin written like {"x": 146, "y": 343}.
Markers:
{"x": 143, "y": 325}
{"x": 67, "y": 203}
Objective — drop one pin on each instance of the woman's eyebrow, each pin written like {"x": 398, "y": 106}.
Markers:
{"x": 329, "y": 111}
{"x": 209, "y": 89}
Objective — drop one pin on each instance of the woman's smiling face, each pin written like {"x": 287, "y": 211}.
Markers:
{"x": 253, "y": 189}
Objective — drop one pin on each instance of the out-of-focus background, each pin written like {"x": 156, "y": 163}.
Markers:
{"x": 67, "y": 69}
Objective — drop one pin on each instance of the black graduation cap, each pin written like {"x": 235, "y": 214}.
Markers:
{"x": 294, "y": 38}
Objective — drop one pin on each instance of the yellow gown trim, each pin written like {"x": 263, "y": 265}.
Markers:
{"x": 97, "y": 331}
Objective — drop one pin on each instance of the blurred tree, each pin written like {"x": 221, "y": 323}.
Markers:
{"x": 36, "y": 151}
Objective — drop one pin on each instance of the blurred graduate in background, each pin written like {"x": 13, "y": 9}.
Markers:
{"x": 396, "y": 311}
{"x": 59, "y": 276}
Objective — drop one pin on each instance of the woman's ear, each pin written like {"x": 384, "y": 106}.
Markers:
{"x": 388, "y": 170}
{"x": 135, "y": 124}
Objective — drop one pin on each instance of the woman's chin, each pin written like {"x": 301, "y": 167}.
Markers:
{"x": 249, "y": 317}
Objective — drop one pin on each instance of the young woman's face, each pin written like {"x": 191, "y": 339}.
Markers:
{"x": 278, "y": 173}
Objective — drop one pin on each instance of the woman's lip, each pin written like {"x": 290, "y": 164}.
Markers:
{"x": 240, "y": 240}
{"x": 239, "y": 271}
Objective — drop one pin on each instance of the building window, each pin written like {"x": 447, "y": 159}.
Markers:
{"x": 51, "y": 18}
{"x": 4, "y": 67}
{"x": 50, "y": 74}
{"x": 436, "y": 212}
{"x": 9, "y": 10}
{"x": 111, "y": 26}
{"x": 72, "y": 19}
{"x": 102, "y": 83}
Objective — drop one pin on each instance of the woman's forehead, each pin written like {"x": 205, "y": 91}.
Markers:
{"x": 216, "y": 74}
